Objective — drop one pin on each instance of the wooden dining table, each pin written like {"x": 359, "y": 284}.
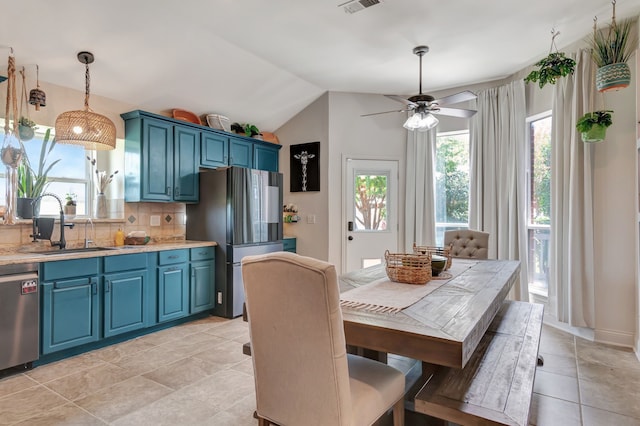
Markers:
{"x": 444, "y": 327}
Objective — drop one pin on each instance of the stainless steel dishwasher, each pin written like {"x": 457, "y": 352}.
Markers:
{"x": 19, "y": 315}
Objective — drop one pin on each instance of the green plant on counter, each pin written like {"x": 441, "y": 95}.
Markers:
{"x": 32, "y": 183}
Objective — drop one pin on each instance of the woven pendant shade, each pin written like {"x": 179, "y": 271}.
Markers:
{"x": 86, "y": 128}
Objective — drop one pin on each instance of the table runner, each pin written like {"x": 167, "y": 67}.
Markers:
{"x": 386, "y": 296}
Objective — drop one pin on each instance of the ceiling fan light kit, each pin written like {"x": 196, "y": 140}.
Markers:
{"x": 423, "y": 107}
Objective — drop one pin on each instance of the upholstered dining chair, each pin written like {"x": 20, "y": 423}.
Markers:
{"x": 467, "y": 243}
{"x": 303, "y": 375}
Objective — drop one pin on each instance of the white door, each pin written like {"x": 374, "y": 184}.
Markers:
{"x": 371, "y": 212}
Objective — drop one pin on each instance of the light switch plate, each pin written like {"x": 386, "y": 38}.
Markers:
{"x": 154, "y": 220}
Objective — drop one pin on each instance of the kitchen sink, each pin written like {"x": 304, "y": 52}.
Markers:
{"x": 75, "y": 250}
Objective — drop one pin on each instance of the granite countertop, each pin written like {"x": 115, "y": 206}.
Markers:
{"x": 22, "y": 255}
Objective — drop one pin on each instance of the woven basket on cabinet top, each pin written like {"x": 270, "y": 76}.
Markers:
{"x": 219, "y": 122}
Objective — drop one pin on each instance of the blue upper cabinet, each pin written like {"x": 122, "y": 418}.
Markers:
{"x": 162, "y": 156}
{"x": 240, "y": 152}
{"x": 265, "y": 157}
{"x": 161, "y": 159}
{"x": 214, "y": 150}
{"x": 185, "y": 164}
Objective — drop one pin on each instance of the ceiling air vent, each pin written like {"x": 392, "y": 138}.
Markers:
{"x": 358, "y": 5}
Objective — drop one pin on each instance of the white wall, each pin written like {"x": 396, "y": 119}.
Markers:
{"x": 310, "y": 125}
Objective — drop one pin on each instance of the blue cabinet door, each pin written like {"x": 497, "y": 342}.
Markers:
{"x": 214, "y": 150}
{"x": 125, "y": 302}
{"x": 265, "y": 157}
{"x": 185, "y": 172}
{"x": 240, "y": 153}
{"x": 69, "y": 313}
{"x": 157, "y": 160}
{"x": 173, "y": 292}
{"x": 202, "y": 286}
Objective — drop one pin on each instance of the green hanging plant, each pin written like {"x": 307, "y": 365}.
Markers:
{"x": 593, "y": 125}
{"x": 32, "y": 183}
{"x": 551, "y": 68}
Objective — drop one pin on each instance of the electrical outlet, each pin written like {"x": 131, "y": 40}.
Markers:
{"x": 219, "y": 298}
{"x": 311, "y": 218}
{"x": 154, "y": 220}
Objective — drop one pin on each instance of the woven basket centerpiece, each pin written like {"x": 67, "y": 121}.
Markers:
{"x": 442, "y": 251}
{"x": 408, "y": 268}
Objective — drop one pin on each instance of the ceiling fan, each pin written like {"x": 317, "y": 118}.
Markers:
{"x": 424, "y": 106}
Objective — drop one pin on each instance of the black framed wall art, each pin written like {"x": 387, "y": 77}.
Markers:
{"x": 305, "y": 167}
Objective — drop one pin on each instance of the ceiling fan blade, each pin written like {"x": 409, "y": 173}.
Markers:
{"x": 402, "y": 100}
{"x": 385, "y": 112}
{"x": 458, "y": 97}
{"x": 455, "y": 112}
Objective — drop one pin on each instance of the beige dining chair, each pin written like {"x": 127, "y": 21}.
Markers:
{"x": 467, "y": 243}
{"x": 303, "y": 375}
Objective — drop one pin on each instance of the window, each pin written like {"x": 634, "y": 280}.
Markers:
{"x": 539, "y": 202}
{"x": 69, "y": 175}
{"x": 452, "y": 182}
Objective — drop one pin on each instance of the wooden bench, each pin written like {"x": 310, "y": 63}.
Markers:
{"x": 496, "y": 385}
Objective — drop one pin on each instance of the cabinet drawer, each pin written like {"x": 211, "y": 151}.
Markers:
{"x": 173, "y": 256}
{"x": 202, "y": 253}
{"x": 69, "y": 268}
{"x": 125, "y": 262}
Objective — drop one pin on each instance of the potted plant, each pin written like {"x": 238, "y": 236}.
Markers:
{"x": 610, "y": 50}
{"x": 593, "y": 125}
{"x": 70, "y": 205}
{"x": 550, "y": 69}
{"x": 32, "y": 183}
{"x": 249, "y": 130}
{"x": 26, "y": 129}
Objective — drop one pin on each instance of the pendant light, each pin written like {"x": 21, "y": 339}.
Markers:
{"x": 85, "y": 127}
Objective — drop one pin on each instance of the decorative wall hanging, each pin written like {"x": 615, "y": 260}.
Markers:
{"x": 36, "y": 96}
{"x": 551, "y": 68}
{"x": 305, "y": 167}
{"x": 610, "y": 50}
{"x": 11, "y": 152}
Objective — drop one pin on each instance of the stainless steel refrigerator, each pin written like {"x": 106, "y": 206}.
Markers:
{"x": 241, "y": 210}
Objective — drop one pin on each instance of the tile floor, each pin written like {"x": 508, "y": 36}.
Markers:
{"x": 196, "y": 374}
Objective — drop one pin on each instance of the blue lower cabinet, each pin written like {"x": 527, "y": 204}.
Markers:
{"x": 202, "y": 286}
{"x": 70, "y": 314}
{"x": 289, "y": 244}
{"x": 125, "y": 302}
{"x": 173, "y": 292}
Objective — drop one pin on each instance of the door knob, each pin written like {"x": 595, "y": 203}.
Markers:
{"x": 350, "y": 238}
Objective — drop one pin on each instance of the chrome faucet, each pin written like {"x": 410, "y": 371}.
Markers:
{"x": 36, "y": 233}
{"x": 86, "y": 240}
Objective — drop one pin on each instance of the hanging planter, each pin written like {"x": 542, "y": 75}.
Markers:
{"x": 26, "y": 129}
{"x": 593, "y": 125}
{"x": 551, "y": 68}
{"x": 610, "y": 50}
{"x": 36, "y": 96}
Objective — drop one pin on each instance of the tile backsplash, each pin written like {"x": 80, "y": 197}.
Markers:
{"x": 160, "y": 221}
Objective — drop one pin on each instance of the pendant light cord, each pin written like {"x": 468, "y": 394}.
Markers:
{"x": 87, "y": 81}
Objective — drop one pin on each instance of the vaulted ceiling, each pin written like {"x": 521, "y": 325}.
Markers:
{"x": 262, "y": 61}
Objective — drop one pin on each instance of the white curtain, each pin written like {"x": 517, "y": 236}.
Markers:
{"x": 571, "y": 286}
{"x": 420, "y": 222}
{"x": 498, "y": 200}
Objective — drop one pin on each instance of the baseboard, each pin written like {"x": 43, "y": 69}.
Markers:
{"x": 616, "y": 338}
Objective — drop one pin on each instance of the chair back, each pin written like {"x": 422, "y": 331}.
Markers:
{"x": 297, "y": 340}
{"x": 468, "y": 243}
